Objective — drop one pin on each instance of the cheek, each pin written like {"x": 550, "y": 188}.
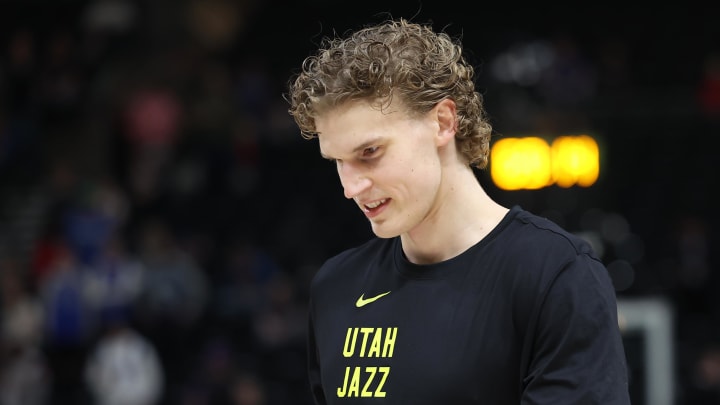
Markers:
{"x": 416, "y": 169}
{"x": 419, "y": 177}
{"x": 426, "y": 164}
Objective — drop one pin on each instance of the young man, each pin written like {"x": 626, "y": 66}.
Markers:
{"x": 458, "y": 300}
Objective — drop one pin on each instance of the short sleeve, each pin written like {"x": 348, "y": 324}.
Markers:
{"x": 578, "y": 355}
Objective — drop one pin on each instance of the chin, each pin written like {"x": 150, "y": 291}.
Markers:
{"x": 383, "y": 232}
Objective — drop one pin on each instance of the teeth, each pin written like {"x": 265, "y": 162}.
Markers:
{"x": 375, "y": 204}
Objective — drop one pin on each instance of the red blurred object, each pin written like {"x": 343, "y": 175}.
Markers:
{"x": 152, "y": 118}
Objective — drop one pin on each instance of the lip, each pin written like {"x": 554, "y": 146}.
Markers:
{"x": 374, "y": 212}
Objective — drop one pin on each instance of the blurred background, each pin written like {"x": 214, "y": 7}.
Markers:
{"x": 161, "y": 217}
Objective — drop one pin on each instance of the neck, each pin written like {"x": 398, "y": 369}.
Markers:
{"x": 463, "y": 214}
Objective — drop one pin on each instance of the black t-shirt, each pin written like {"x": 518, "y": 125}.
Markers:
{"x": 526, "y": 316}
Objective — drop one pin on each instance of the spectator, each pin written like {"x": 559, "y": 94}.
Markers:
{"x": 24, "y": 375}
{"x": 124, "y": 367}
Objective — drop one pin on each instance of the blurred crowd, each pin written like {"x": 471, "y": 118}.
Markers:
{"x": 160, "y": 216}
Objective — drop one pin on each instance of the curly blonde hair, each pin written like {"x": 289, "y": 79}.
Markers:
{"x": 393, "y": 58}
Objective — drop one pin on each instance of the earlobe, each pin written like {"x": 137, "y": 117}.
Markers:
{"x": 445, "y": 112}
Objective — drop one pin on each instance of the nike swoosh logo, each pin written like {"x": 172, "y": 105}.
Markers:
{"x": 362, "y": 301}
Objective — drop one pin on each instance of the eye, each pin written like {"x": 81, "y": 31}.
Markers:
{"x": 370, "y": 151}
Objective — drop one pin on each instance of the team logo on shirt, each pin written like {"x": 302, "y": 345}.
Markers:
{"x": 368, "y": 381}
{"x": 362, "y": 301}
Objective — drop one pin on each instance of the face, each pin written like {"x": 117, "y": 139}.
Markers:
{"x": 388, "y": 163}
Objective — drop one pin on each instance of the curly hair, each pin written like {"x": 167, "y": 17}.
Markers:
{"x": 393, "y": 58}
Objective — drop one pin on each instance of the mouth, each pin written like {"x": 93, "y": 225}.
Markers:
{"x": 374, "y": 207}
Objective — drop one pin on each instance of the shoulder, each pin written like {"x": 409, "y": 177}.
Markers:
{"x": 552, "y": 272}
{"x": 349, "y": 264}
{"x": 534, "y": 235}
{"x": 533, "y": 252}
{"x": 361, "y": 252}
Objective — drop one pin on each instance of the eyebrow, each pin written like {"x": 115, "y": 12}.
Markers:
{"x": 360, "y": 147}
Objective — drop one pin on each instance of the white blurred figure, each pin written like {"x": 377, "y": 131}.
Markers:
{"x": 24, "y": 375}
{"x": 124, "y": 368}
{"x": 25, "y": 378}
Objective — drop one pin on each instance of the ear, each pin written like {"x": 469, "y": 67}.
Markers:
{"x": 445, "y": 114}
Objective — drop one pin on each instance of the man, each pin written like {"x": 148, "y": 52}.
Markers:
{"x": 458, "y": 300}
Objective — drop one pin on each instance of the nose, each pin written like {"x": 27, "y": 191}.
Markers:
{"x": 353, "y": 179}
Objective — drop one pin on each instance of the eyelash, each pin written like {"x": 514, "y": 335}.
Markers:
{"x": 366, "y": 153}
